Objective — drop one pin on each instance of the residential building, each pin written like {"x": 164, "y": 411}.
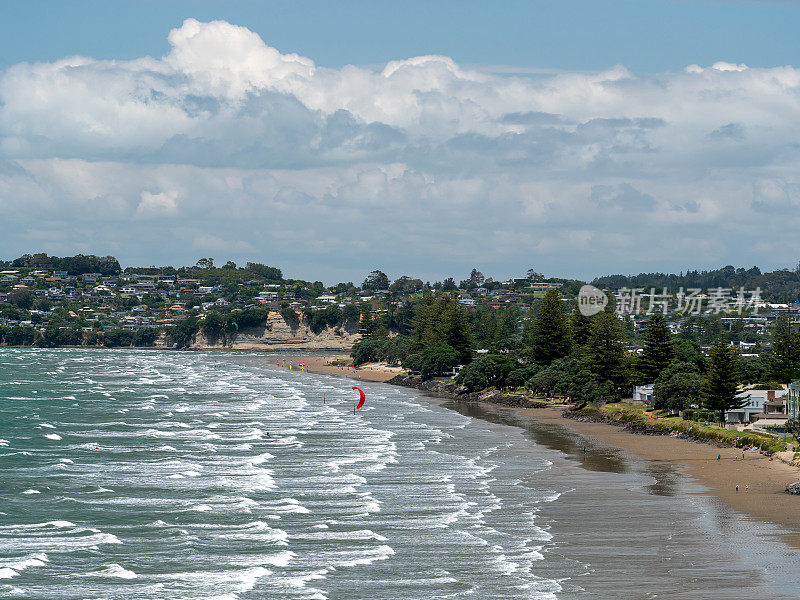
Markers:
{"x": 643, "y": 394}
{"x": 756, "y": 405}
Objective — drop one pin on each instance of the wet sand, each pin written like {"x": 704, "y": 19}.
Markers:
{"x": 761, "y": 482}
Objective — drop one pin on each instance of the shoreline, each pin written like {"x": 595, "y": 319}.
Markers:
{"x": 762, "y": 482}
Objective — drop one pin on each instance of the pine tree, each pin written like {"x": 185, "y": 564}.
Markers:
{"x": 550, "y": 337}
{"x": 658, "y": 350}
{"x": 720, "y": 386}
{"x": 605, "y": 350}
{"x": 784, "y": 359}
{"x": 581, "y": 327}
{"x": 442, "y": 319}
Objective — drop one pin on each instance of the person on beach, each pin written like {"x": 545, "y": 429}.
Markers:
{"x": 719, "y": 456}
{"x": 737, "y": 487}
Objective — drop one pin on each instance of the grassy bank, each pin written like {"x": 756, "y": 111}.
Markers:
{"x": 638, "y": 417}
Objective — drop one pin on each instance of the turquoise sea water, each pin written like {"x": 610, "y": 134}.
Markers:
{"x": 166, "y": 475}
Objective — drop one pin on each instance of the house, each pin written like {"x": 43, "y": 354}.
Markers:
{"x": 541, "y": 286}
{"x": 325, "y": 299}
{"x": 756, "y": 405}
{"x": 643, "y": 394}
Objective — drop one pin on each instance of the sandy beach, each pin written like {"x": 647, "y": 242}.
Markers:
{"x": 326, "y": 364}
{"x": 761, "y": 482}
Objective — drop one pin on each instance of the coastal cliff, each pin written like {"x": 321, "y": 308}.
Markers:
{"x": 274, "y": 336}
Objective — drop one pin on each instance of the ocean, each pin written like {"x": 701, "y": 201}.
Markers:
{"x": 191, "y": 475}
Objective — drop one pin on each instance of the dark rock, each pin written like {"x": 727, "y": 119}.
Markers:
{"x": 793, "y": 488}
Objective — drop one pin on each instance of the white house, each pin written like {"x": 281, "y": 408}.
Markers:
{"x": 643, "y": 393}
{"x": 756, "y": 399}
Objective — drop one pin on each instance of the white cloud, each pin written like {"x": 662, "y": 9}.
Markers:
{"x": 264, "y": 154}
{"x": 159, "y": 204}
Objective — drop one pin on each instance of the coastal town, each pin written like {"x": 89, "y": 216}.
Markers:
{"x": 91, "y": 301}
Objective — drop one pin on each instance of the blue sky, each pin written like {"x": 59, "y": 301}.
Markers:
{"x": 644, "y": 35}
{"x": 425, "y": 138}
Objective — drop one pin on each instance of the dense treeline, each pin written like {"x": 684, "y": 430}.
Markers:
{"x": 558, "y": 351}
{"x": 779, "y": 286}
{"x": 73, "y": 265}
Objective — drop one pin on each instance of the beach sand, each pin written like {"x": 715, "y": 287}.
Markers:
{"x": 761, "y": 482}
{"x": 323, "y": 364}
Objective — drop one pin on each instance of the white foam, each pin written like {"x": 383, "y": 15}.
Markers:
{"x": 281, "y": 559}
{"x": 369, "y": 556}
{"x": 12, "y": 569}
{"x": 45, "y": 525}
{"x": 113, "y": 570}
{"x": 261, "y": 458}
{"x": 52, "y": 436}
{"x": 47, "y": 425}
{"x": 28, "y": 492}
{"x": 68, "y": 461}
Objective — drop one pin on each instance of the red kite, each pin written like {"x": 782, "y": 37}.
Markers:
{"x": 360, "y": 400}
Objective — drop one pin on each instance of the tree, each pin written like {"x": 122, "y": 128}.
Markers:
{"x": 720, "y": 385}
{"x": 581, "y": 327}
{"x": 605, "y": 350}
{"x": 677, "y": 387}
{"x": 22, "y": 298}
{"x": 754, "y": 369}
{"x": 433, "y": 361}
{"x": 449, "y": 285}
{"x": 550, "y": 335}
{"x": 205, "y": 263}
{"x": 441, "y": 319}
{"x": 376, "y": 280}
{"x": 213, "y": 325}
{"x": 476, "y": 278}
{"x": 405, "y": 285}
{"x": 270, "y": 273}
{"x": 784, "y": 359}
{"x": 533, "y": 275}
{"x": 657, "y": 352}
{"x": 793, "y": 427}
{"x": 491, "y": 370}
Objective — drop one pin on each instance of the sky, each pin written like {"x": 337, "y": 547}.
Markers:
{"x": 578, "y": 138}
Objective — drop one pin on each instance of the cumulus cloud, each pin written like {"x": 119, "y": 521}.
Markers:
{"x": 268, "y": 156}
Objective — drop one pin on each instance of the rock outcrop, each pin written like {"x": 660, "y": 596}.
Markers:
{"x": 449, "y": 389}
